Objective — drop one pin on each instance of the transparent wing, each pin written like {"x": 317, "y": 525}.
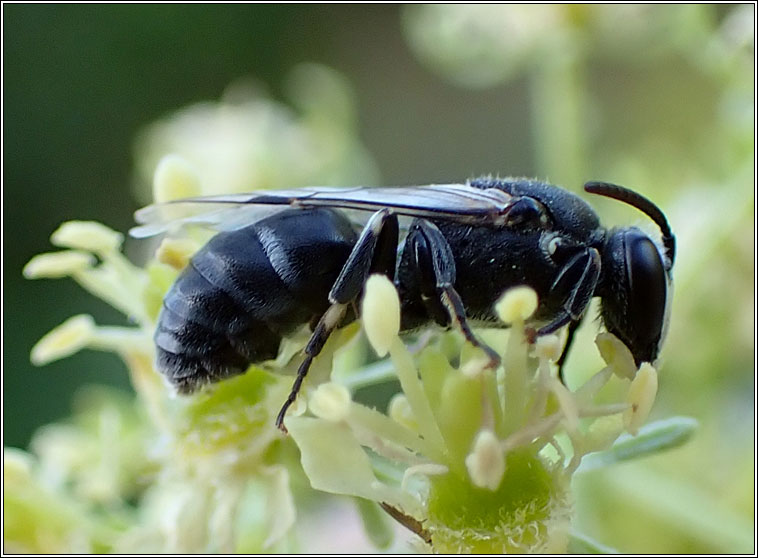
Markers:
{"x": 456, "y": 202}
{"x": 222, "y": 216}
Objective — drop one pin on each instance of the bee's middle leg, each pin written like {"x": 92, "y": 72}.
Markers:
{"x": 435, "y": 265}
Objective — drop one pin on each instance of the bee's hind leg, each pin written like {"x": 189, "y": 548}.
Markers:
{"x": 375, "y": 251}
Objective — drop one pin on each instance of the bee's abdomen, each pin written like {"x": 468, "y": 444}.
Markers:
{"x": 246, "y": 289}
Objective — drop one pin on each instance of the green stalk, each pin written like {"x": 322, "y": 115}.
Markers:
{"x": 559, "y": 115}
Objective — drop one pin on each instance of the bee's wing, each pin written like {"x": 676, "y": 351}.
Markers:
{"x": 160, "y": 218}
{"x": 456, "y": 202}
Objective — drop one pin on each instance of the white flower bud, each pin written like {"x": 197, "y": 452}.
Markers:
{"x": 176, "y": 252}
{"x": 616, "y": 355}
{"x": 68, "y": 338}
{"x": 516, "y": 304}
{"x": 330, "y": 401}
{"x": 548, "y": 347}
{"x": 87, "y": 235}
{"x": 641, "y": 397}
{"x": 53, "y": 265}
{"x": 486, "y": 463}
{"x": 473, "y": 368}
{"x": 400, "y": 411}
{"x": 175, "y": 178}
{"x": 381, "y": 313}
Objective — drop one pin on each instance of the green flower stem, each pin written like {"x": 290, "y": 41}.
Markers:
{"x": 539, "y": 401}
{"x": 376, "y": 373}
{"x": 493, "y": 397}
{"x": 414, "y": 391}
{"x": 130, "y": 274}
{"x": 593, "y": 385}
{"x": 107, "y": 284}
{"x": 559, "y": 110}
{"x": 117, "y": 339}
{"x": 543, "y": 428}
{"x": 516, "y": 380}
{"x": 383, "y": 427}
{"x": 603, "y": 410}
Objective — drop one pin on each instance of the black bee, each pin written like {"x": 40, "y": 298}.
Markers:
{"x": 306, "y": 261}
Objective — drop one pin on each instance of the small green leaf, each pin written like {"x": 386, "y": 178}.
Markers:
{"x": 334, "y": 461}
{"x": 653, "y": 438}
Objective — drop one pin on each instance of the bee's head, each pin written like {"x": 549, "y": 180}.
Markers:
{"x": 636, "y": 278}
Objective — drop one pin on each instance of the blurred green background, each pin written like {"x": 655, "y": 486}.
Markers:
{"x": 658, "y": 98}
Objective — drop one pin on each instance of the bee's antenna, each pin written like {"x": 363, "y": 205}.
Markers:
{"x": 643, "y": 204}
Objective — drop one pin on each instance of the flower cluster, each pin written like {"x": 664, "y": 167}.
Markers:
{"x": 470, "y": 457}
{"x": 473, "y": 459}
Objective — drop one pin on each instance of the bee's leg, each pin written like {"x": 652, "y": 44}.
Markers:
{"x": 434, "y": 262}
{"x": 326, "y": 325}
{"x": 375, "y": 251}
{"x": 452, "y": 302}
{"x": 575, "y": 285}
{"x": 572, "y": 327}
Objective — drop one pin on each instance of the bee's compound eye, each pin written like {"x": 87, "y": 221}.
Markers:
{"x": 647, "y": 284}
{"x": 634, "y": 303}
